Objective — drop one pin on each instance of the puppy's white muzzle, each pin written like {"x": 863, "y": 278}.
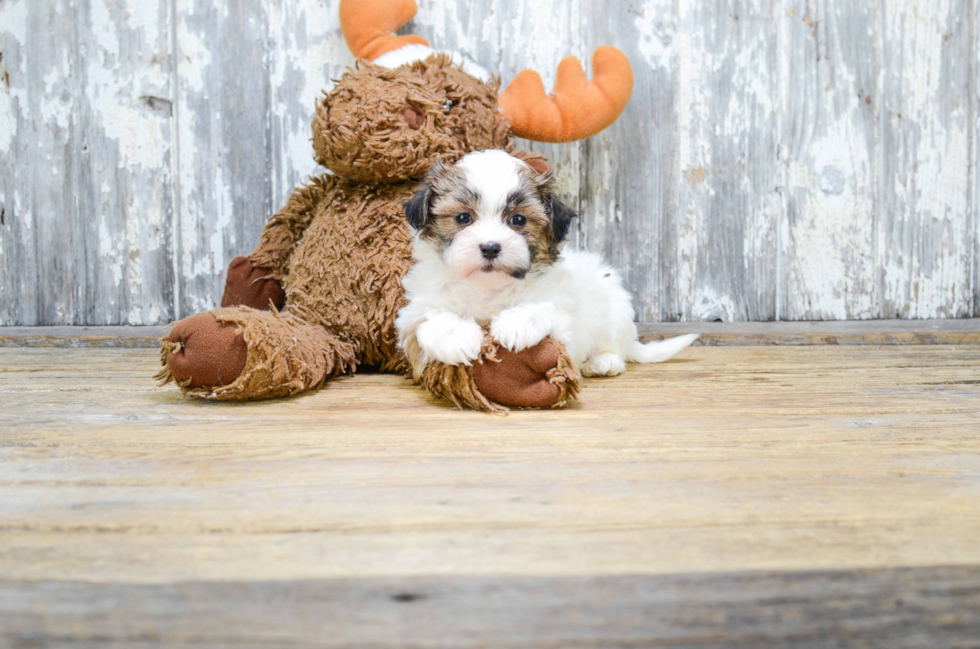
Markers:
{"x": 487, "y": 246}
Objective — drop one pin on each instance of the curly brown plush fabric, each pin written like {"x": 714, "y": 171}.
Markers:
{"x": 458, "y": 114}
{"x": 340, "y": 247}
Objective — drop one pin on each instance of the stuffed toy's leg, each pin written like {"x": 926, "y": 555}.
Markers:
{"x": 241, "y": 354}
{"x": 208, "y": 354}
{"x": 542, "y": 376}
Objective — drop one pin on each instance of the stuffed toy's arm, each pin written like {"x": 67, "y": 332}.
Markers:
{"x": 285, "y": 229}
{"x": 254, "y": 281}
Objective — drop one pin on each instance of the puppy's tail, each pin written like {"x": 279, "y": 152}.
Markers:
{"x": 664, "y": 350}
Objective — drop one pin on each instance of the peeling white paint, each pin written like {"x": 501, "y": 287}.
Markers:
{"x": 925, "y": 235}
{"x": 111, "y": 251}
{"x": 878, "y": 213}
{"x": 658, "y": 33}
{"x": 115, "y": 95}
{"x": 710, "y": 306}
{"x": 195, "y": 55}
{"x": 8, "y": 122}
{"x": 13, "y": 20}
{"x": 307, "y": 53}
{"x": 827, "y": 232}
{"x": 143, "y": 17}
{"x": 13, "y": 28}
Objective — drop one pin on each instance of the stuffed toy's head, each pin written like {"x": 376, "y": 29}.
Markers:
{"x": 405, "y": 107}
{"x": 387, "y": 125}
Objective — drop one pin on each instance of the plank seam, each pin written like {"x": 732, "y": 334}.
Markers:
{"x": 79, "y": 289}
{"x": 175, "y": 162}
{"x": 876, "y": 170}
{"x": 40, "y": 295}
{"x": 775, "y": 91}
{"x": 973, "y": 178}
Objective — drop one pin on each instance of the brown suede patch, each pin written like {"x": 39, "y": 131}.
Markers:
{"x": 250, "y": 286}
{"x": 205, "y": 353}
{"x": 520, "y": 379}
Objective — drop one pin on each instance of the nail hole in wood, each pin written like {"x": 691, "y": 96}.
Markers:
{"x": 406, "y": 598}
{"x": 158, "y": 104}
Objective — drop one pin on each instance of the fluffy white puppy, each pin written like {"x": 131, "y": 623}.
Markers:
{"x": 487, "y": 246}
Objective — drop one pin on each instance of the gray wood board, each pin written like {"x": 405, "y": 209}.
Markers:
{"x": 796, "y": 160}
{"x": 904, "y": 608}
{"x": 827, "y": 127}
{"x": 85, "y": 162}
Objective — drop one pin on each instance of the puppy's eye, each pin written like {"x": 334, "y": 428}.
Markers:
{"x": 518, "y": 220}
{"x": 463, "y": 219}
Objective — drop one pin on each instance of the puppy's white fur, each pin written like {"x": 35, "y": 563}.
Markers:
{"x": 579, "y": 300}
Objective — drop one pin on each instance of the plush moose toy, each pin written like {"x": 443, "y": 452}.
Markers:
{"x": 319, "y": 296}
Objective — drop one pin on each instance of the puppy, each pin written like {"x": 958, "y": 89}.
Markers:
{"x": 488, "y": 235}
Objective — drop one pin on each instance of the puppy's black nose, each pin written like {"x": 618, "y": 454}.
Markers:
{"x": 490, "y": 250}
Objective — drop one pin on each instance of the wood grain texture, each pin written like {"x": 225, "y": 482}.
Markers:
{"x": 796, "y": 160}
{"x": 85, "y": 133}
{"x": 729, "y": 459}
{"x": 723, "y": 266}
{"x": 629, "y": 178}
{"x": 924, "y": 249}
{"x": 225, "y": 157}
{"x": 887, "y": 609}
{"x": 735, "y": 497}
{"x": 829, "y": 61}
{"x": 25, "y": 186}
{"x": 713, "y": 334}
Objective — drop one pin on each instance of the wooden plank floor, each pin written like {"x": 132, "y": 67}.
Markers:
{"x": 740, "y": 496}
{"x": 848, "y": 332}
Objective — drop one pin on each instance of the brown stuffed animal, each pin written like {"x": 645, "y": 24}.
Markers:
{"x": 319, "y": 296}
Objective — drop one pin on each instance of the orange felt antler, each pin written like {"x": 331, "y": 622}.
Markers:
{"x": 369, "y": 26}
{"x": 578, "y": 108}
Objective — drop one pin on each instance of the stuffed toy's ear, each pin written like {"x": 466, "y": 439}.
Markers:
{"x": 578, "y": 108}
{"x": 540, "y": 166}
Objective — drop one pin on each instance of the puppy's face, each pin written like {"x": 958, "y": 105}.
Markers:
{"x": 490, "y": 216}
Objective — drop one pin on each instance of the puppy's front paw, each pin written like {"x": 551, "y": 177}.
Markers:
{"x": 518, "y": 328}
{"x": 449, "y": 339}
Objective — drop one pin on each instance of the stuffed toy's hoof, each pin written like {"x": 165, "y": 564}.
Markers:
{"x": 538, "y": 377}
{"x": 248, "y": 285}
{"x": 202, "y": 353}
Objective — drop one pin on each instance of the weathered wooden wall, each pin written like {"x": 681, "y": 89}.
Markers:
{"x": 781, "y": 159}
